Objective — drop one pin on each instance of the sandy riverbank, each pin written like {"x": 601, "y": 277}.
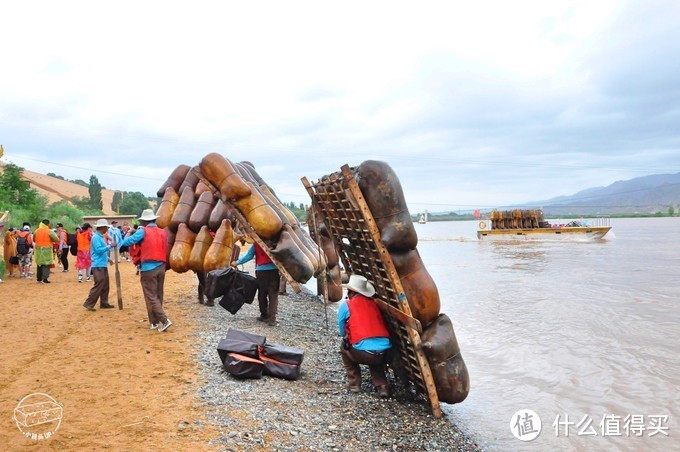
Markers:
{"x": 125, "y": 387}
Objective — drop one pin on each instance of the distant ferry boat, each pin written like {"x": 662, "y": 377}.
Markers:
{"x": 522, "y": 225}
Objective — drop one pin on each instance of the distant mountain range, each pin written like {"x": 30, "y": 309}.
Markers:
{"x": 647, "y": 194}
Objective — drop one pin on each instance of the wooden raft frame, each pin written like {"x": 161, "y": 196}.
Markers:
{"x": 342, "y": 207}
{"x": 250, "y": 231}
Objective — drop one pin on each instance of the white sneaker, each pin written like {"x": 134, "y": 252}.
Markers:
{"x": 88, "y": 279}
{"x": 164, "y": 326}
{"x": 154, "y": 326}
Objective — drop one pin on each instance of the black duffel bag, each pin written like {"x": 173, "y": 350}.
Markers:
{"x": 229, "y": 280}
{"x": 228, "y": 345}
{"x": 290, "y": 355}
{"x": 241, "y": 366}
{"x": 239, "y": 335}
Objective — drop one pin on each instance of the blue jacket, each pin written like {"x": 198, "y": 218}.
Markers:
{"x": 114, "y": 233}
{"x": 99, "y": 251}
{"x": 251, "y": 254}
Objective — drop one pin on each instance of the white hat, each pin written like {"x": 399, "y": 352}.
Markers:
{"x": 101, "y": 223}
{"x": 147, "y": 215}
{"x": 360, "y": 284}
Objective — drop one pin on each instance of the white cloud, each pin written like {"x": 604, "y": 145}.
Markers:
{"x": 443, "y": 91}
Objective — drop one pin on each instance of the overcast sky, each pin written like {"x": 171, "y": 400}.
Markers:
{"x": 473, "y": 104}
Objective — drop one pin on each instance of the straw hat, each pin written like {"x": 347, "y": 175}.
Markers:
{"x": 101, "y": 223}
{"x": 147, "y": 215}
{"x": 360, "y": 284}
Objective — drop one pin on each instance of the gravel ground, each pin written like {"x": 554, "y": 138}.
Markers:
{"x": 315, "y": 412}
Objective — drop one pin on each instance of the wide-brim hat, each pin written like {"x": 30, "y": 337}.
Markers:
{"x": 101, "y": 223}
{"x": 360, "y": 284}
{"x": 147, "y": 215}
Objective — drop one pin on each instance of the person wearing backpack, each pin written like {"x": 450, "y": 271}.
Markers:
{"x": 44, "y": 237}
{"x": 24, "y": 246}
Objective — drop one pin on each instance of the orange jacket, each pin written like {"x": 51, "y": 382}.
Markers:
{"x": 84, "y": 238}
{"x": 42, "y": 236}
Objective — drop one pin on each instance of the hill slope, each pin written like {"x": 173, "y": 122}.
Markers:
{"x": 647, "y": 194}
{"x": 58, "y": 190}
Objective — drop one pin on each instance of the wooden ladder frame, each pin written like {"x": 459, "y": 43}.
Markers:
{"x": 350, "y": 222}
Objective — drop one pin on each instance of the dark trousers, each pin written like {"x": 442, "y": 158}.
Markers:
{"x": 282, "y": 285}
{"x": 351, "y": 358}
{"x": 64, "y": 258}
{"x": 268, "y": 292}
{"x": 100, "y": 290}
{"x": 43, "y": 272}
{"x": 152, "y": 285}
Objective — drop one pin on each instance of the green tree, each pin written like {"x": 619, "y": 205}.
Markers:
{"x": 95, "y": 190}
{"x": 671, "y": 210}
{"x": 65, "y": 213}
{"x": 116, "y": 201}
{"x": 133, "y": 203}
{"x": 17, "y": 196}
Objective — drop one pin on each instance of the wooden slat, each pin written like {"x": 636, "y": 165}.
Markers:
{"x": 348, "y": 219}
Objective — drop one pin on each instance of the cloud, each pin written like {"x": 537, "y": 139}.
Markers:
{"x": 476, "y": 104}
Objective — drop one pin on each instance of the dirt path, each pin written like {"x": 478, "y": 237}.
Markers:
{"x": 121, "y": 385}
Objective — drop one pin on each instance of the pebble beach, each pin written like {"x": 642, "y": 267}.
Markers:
{"x": 315, "y": 412}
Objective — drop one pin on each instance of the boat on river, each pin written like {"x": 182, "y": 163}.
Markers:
{"x": 526, "y": 225}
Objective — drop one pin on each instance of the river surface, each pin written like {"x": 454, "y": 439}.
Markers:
{"x": 585, "y": 330}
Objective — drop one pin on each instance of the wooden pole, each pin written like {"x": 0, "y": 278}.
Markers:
{"x": 115, "y": 263}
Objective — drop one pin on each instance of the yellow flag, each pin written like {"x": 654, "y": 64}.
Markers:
{"x": 2, "y": 151}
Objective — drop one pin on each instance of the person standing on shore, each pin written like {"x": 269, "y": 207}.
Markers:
{"x": 62, "y": 235}
{"x": 24, "y": 247}
{"x": 10, "y": 250}
{"x": 44, "y": 237}
{"x": 115, "y": 235}
{"x": 153, "y": 243}
{"x": 99, "y": 250}
{"x": 267, "y": 276}
{"x": 366, "y": 339}
{"x": 83, "y": 257}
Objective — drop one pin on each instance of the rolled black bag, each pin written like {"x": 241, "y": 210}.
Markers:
{"x": 244, "y": 336}
{"x": 279, "y": 369}
{"x": 241, "y": 366}
{"x": 289, "y": 355}
{"x": 230, "y": 345}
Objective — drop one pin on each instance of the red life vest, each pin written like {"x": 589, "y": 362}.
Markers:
{"x": 365, "y": 320}
{"x": 261, "y": 257}
{"x": 154, "y": 246}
